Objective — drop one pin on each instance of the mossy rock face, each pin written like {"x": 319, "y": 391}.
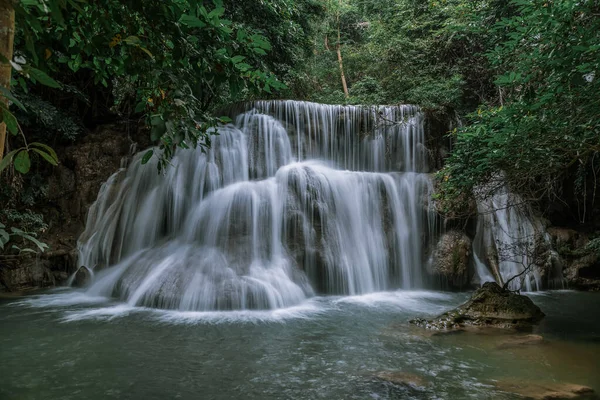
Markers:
{"x": 489, "y": 306}
{"x": 451, "y": 259}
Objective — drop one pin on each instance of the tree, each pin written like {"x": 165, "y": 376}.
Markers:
{"x": 171, "y": 61}
{"x": 7, "y": 34}
{"x": 543, "y": 128}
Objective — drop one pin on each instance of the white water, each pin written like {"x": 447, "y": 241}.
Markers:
{"x": 294, "y": 199}
{"x": 509, "y": 240}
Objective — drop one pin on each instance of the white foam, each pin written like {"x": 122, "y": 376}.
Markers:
{"x": 410, "y": 300}
{"x": 64, "y": 299}
{"x": 307, "y": 310}
{"x": 104, "y": 313}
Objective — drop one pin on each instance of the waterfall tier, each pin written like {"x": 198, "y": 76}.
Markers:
{"x": 294, "y": 199}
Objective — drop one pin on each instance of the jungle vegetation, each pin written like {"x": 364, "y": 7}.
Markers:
{"x": 517, "y": 79}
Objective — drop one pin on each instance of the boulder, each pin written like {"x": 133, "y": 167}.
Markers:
{"x": 450, "y": 260}
{"x": 583, "y": 273}
{"x": 83, "y": 276}
{"x": 490, "y": 306}
{"x": 546, "y": 391}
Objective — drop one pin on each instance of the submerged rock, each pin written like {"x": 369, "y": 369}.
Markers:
{"x": 522, "y": 340}
{"x": 402, "y": 378}
{"x": 546, "y": 391}
{"x": 490, "y": 306}
{"x": 83, "y": 276}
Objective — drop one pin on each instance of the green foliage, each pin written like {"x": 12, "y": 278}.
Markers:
{"x": 548, "y": 56}
{"x": 399, "y": 51}
{"x": 15, "y": 235}
{"x": 42, "y": 120}
{"x": 593, "y": 246}
{"x": 171, "y": 61}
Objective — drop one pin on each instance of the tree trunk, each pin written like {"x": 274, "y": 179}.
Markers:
{"x": 7, "y": 35}
{"x": 339, "y": 55}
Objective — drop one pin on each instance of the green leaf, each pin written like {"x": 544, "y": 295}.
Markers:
{"x": 237, "y": 59}
{"x": 41, "y": 245}
{"x": 147, "y": 156}
{"x": 217, "y": 12}
{"x": 6, "y": 93}
{"x": 243, "y": 66}
{"x": 133, "y": 40}
{"x": 7, "y": 159}
{"x": 191, "y": 21}
{"x": 11, "y": 122}
{"x": 140, "y": 107}
{"x": 48, "y": 149}
{"x": 43, "y": 78}
{"x": 145, "y": 50}
{"x": 46, "y": 156}
{"x": 22, "y": 162}
{"x": 158, "y": 127}
{"x": 4, "y": 237}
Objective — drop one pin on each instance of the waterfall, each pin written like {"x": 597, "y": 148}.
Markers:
{"x": 511, "y": 241}
{"x": 293, "y": 199}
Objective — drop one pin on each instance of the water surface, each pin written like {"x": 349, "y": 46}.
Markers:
{"x": 67, "y": 345}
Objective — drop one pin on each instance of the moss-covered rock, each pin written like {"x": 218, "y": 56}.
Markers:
{"x": 450, "y": 261}
{"x": 490, "y": 306}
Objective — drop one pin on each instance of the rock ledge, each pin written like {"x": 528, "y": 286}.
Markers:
{"x": 490, "y": 306}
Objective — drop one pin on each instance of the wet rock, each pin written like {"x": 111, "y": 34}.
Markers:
{"x": 521, "y": 340}
{"x": 489, "y": 306}
{"x": 83, "y": 276}
{"x": 25, "y": 274}
{"x": 562, "y": 237}
{"x": 547, "y": 391}
{"x": 450, "y": 259}
{"x": 584, "y": 273}
{"x": 402, "y": 379}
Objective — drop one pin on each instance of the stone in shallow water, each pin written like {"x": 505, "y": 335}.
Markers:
{"x": 521, "y": 340}
{"x": 83, "y": 276}
{"x": 490, "y": 306}
{"x": 547, "y": 391}
{"x": 402, "y": 378}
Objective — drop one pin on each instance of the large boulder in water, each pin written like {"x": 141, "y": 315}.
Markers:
{"x": 490, "y": 306}
{"x": 450, "y": 260}
{"x": 83, "y": 276}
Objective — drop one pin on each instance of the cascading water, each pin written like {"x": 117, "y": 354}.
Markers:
{"x": 511, "y": 242}
{"x": 293, "y": 199}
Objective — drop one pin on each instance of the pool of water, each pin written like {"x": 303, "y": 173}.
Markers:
{"x": 65, "y": 345}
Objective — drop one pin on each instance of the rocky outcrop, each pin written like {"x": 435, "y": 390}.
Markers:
{"x": 450, "y": 259}
{"x": 583, "y": 273}
{"x": 72, "y": 187}
{"x": 490, "y": 306}
{"x": 581, "y": 265}
{"x": 30, "y": 274}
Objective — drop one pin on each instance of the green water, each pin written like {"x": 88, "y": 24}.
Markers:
{"x": 64, "y": 345}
